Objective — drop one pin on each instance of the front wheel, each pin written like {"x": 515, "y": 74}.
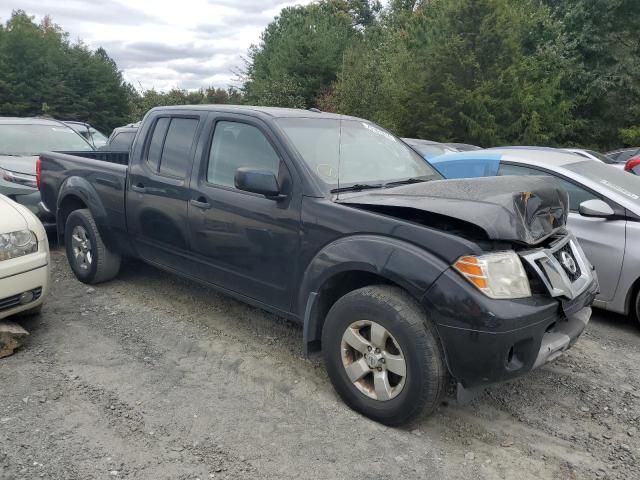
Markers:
{"x": 91, "y": 261}
{"x": 383, "y": 356}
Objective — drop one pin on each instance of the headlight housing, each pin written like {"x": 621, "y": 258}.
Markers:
{"x": 17, "y": 244}
{"x": 498, "y": 275}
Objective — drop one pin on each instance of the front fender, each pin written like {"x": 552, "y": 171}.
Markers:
{"x": 402, "y": 263}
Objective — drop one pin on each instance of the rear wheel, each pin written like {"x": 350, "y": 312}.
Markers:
{"x": 91, "y": 261}
{"x": 637, "y": 305}
{"x": 383, "y": 356}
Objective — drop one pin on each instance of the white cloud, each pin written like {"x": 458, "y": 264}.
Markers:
{"x": 161, "y": 44}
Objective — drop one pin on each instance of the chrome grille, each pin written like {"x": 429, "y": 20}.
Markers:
{"x": 562, "y": 267}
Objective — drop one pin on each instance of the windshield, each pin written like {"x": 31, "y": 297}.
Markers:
{"x": 25, "y": 139}
{"x": 98, "y": 138}
{"x": 357, "y": 152}
{"x": 609, "y": 178}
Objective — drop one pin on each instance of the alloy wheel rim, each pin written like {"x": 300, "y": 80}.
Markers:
{"x": 81, "y": 247}
{"x": 373, "y": 360}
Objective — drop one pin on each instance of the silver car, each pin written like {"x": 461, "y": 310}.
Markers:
{"x": 604, "y": 210}
{"x": 21, "y": 141}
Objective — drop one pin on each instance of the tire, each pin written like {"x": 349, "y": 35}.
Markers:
{"x": 637, "y": 307}
{"x": 410, "y": 336}
{"x": 94, "y": 263}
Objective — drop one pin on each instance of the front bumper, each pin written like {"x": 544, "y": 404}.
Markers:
{"x": 29, "y": 273}
{"x": 488, "y": 341}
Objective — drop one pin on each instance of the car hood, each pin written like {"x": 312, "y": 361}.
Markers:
{"x": 23, "y": 164}
{"x": 12, "y": 219}
{"x": 520, "y": 209}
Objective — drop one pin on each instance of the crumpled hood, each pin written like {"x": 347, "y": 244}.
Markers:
{"x": 25, "y": 164}
{"x": 521, "y": 209}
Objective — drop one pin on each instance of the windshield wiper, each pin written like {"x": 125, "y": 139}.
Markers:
{"x": 357, "y": 187}
{"x": 407, "y": 181}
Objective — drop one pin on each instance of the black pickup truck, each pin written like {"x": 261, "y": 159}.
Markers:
{"x": 403, "y": 280}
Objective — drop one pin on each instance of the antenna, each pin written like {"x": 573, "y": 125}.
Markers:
{"x": 339, "y": 156}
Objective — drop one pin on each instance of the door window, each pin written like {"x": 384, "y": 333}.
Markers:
{"x": 157, "y": 140}
{"x": 177, "y": 147}
{"x": 577, "y": 194}
{"x": 238, "y": 145}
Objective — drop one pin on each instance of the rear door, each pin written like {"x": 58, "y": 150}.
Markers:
{"x": 602, "y": 240}
{"x": 158, "y": 187}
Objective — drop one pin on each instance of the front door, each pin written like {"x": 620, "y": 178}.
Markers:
{"x": 245, "y": 242}
{"x": 158, "y": 188}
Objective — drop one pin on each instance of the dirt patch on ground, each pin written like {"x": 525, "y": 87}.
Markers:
{"x": 154, "y": 377}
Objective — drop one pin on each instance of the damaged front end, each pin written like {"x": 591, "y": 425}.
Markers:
{"x": 526, "y": 210}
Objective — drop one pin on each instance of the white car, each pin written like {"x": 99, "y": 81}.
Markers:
{"x": 24, "y": 260}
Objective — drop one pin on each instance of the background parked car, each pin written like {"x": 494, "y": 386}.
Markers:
{"x": 121, "y": 138}
{"x": 429, "y": 149}
{"x": 592, "y": 155}
{"x": 21, "y": 141}
{"x": 604, "y": 210}
{"x": 93, "y": 136}
{"x": 24, "y": 260}
{"x": 633, "y": 166}
{"x": 624, "y": 154}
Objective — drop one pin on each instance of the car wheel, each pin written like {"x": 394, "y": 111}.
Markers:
{"x": 383, "y": 356}
{"x": 91, "y": 261}
{"x": 637, "y": 305}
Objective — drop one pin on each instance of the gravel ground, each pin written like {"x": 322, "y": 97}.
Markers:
{"x": 154, "y": 377}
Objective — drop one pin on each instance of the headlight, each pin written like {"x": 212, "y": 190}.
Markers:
{"x": 497, "y": 275}
{"x": 19, "y": 178}
{"x": 17, "y": 244}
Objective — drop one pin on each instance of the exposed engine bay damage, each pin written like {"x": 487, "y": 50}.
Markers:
{"x": 525, "y": 210}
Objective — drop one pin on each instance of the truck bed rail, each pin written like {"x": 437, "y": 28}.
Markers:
{"x": 120, "y": 158}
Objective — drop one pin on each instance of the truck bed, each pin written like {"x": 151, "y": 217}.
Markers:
{"x": 119, "y": 158}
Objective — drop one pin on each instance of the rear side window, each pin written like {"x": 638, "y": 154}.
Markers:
{"x": 177, "y": 147}
{"x": 156, "y": 143}
{"x": 236, "y": 145}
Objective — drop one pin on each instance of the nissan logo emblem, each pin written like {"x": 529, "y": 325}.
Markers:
{"x": 568, "y": 263}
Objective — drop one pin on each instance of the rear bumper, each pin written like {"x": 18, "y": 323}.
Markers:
{"x": 488, "y": 341}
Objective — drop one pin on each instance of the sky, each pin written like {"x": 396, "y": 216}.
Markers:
{"x": 163, "y": 44}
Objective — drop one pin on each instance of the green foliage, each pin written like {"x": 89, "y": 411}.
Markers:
{"x": 491, "y": 72}
{"x": 605, "y": 79}
{"x": 630, "y": 136}
{"x": 300, "y": 52}
{"x": 42, "y": 73}
{"x": 145, "y": 101}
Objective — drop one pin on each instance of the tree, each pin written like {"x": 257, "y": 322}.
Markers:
{"x": 605, "y": 80}
{"x": 43, "y": 73}
{"x": 300, "y": 52}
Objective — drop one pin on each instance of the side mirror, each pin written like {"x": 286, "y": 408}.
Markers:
{"x": 259, "y": 181}
{"x": 596, "y": 209}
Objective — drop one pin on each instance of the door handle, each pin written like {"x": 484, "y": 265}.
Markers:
{"x": 138, "y": 188}
{"x": 201, "y": 203}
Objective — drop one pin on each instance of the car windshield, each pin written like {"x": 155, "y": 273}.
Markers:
{"x": 349, "y": 152}
{"x": 98, "y": 138}
{"x": 611, "y": 179}
{"x": 32, "y": 139}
